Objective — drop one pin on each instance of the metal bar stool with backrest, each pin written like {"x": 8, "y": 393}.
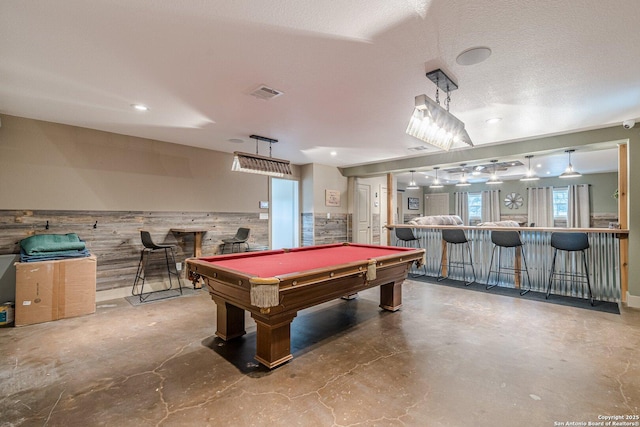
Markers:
{"x": 456, "y": 237}
{"x": 507, "y": 239}
{"x": 143, "y": 266}
{"x": 407, "y": 238}
{"x": 241, "y": 237}
{"x": 570, "y": 242}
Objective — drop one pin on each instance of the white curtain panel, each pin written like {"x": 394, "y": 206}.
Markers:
{"x": 462, "y": 206}
{"x": 540, "y": 206}
{"x": 491, "y": 206}
{"x": 579, "y": 210}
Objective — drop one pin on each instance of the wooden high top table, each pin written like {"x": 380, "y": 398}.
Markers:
{"x": 198, "y": 232}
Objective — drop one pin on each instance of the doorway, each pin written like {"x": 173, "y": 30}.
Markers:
{"x": 363, "y": 214}
{"x": 384, "y": 220}
{"x": 285, "y": 214}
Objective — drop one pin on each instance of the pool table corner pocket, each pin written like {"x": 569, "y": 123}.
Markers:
{"x": 265, "y": 293}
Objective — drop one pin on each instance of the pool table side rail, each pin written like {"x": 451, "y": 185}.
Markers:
{"x": 300, "y": 278}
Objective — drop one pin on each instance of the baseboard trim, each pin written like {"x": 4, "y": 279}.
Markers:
{"x": 633, "y": 301}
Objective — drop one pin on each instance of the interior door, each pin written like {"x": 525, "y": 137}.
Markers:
{"x": 363, "y": 214}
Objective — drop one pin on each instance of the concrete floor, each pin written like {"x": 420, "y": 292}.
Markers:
{"x": 450, "y": 357}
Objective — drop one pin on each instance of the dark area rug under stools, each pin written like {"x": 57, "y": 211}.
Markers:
{"x": 604, "y": 306}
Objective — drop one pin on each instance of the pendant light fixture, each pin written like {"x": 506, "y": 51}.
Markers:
{"x": 412, "y": 183}
{"x": 463, "y": 181}
{"x": 570, "y": 172}
{"x": 434, "y": 124}
{"x": 530, "y": 176}
{"x": 494, "y": 178}
{"x": 436, "y": 182}
{"x": 262, "y": 165}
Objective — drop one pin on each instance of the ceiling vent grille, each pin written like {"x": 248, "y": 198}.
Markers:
{"x": 265, "y": 92}
{"x": 418, "y": 148}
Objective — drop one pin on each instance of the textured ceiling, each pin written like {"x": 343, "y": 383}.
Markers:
{"x": 349, "y": 70}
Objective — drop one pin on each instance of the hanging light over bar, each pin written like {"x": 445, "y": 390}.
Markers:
{"x": 494, "y": 177}
{"x": 570, "y": 172}
{"x": 412, "y": 183}
{"x": 531, "y": 175}
{"x": 436, "y": 182}
{"x": 463, "y": 180}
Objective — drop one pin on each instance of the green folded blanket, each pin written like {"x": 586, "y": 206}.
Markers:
{"x": 42, "y": 243}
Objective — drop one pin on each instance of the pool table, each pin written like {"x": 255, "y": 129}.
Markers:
{"x": 273, "y": 285}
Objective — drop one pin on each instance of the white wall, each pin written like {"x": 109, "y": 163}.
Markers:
{"x": 329, "y": 178}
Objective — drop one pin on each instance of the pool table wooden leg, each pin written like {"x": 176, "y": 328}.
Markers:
{"x": 273, "y": 339}
{"x": 391, "y": 296}
{"x": 230, "y": 320}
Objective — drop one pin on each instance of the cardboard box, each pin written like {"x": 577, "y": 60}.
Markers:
{"x": 52, "y": 290}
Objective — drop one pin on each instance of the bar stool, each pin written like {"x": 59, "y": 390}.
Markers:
{"x": 507, "y": 239}
{"x": 149, "y": 248}
{"x": 455, "y": 237}
{"x": 570, "y": 242}
{"x": 407, "y": 238}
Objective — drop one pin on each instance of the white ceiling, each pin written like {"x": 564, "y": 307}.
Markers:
{"x": 349, "y": 69}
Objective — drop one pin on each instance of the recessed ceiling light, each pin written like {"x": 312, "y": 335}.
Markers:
{"x": 236, "y": 140}
{"x": 140, "y": 107}
{"x": 474, "y": 55}
{"x": 334, "y": 153}
{"x": 493, "y": 120}
{"x": 539, "y": 165}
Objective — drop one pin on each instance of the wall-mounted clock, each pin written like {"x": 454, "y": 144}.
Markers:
{"x": 513, "y": 200}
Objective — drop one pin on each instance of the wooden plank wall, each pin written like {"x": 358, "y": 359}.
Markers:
{"x": 114, "y": 237}
{"x": 307, "y": 229}
{"x": 330, "y": 230}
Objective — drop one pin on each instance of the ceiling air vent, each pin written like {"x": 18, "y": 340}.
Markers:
{"x": 265, "y": 92}
{"x": 418, "y": 148}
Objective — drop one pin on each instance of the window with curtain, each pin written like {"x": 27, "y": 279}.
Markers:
{"x": 541, "y": 207}
{"x": 570, "y": 205}
{"x": 461, "y": 200}
{"x": 560, "y": 203}
{"x": 490, "y": 206}
{"x": 579, "y": 210}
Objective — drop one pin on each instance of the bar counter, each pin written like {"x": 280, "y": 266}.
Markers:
{"x": 608, "y": 280}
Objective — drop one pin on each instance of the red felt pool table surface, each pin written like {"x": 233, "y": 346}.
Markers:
{"x": 280, "y": 262}
{"x": 274, "y": 285}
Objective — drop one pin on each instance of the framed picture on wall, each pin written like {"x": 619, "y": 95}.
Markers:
{"x": 331, "y": 198}
{"x": 414, "y": 203}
